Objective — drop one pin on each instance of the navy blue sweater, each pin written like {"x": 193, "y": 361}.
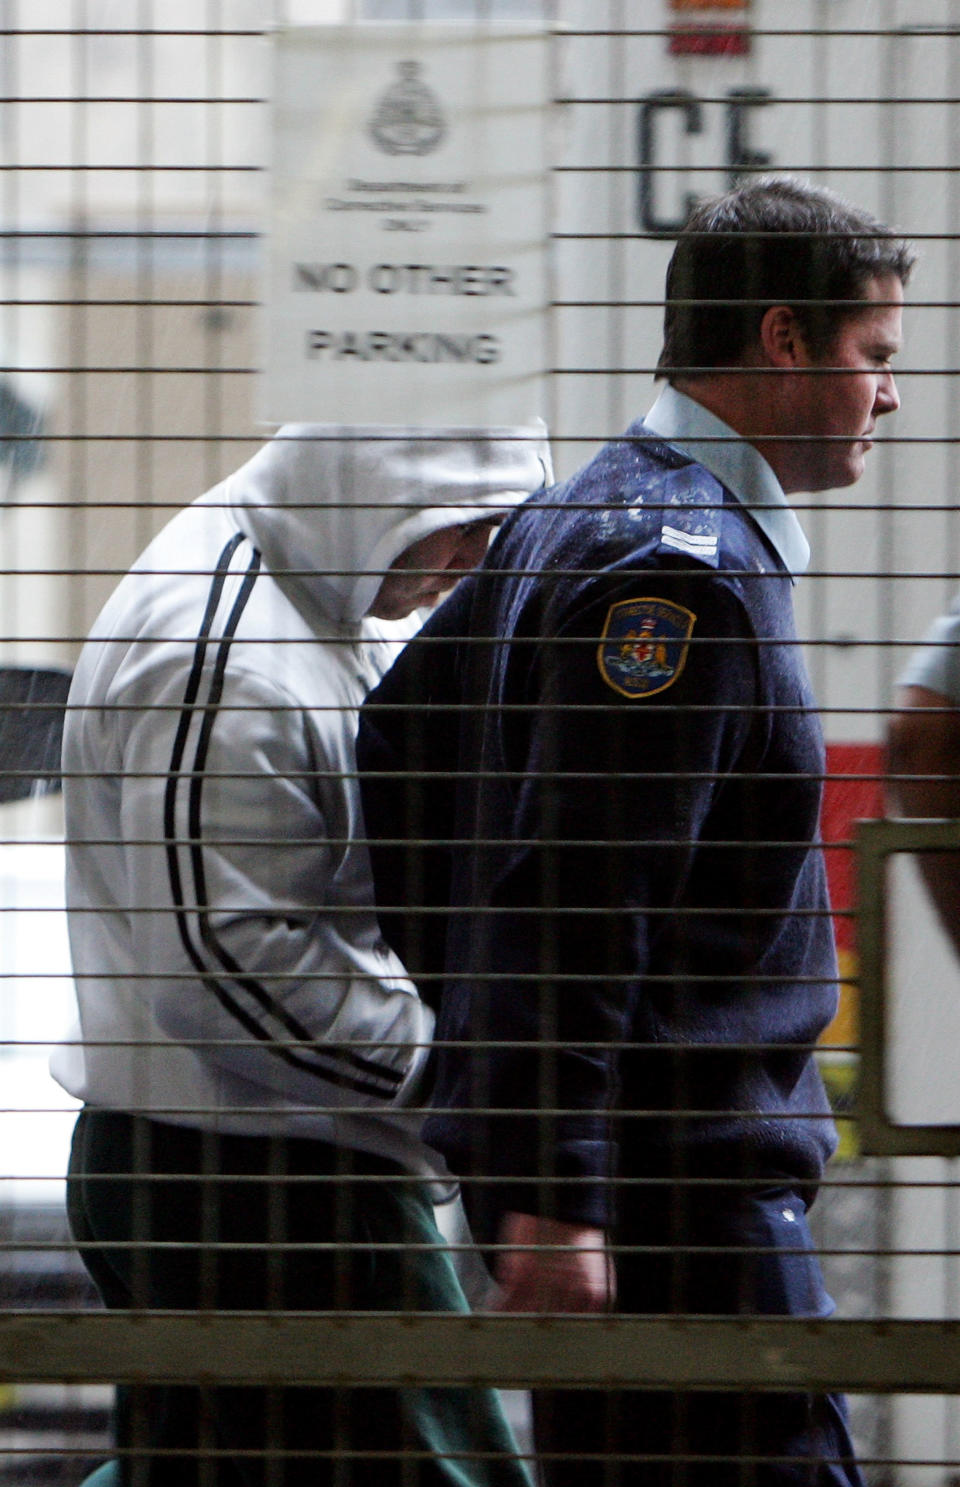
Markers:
{"x": 592, "y": 788}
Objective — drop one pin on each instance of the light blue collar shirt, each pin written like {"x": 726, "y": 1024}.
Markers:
{"x": 705, "y": 438}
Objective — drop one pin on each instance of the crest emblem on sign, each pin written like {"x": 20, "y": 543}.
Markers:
{"x": 409, "y": 118}
{"x": 644, "y": 645}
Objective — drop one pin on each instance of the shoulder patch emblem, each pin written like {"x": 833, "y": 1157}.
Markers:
{"x": 644, "y": 645}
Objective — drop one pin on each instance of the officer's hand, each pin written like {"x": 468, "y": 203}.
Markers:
{"x": 577, "y": 1277}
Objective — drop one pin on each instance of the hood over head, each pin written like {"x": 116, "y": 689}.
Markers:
{"x": 335, "y": 506}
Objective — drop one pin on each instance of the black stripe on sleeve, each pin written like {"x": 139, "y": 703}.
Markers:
{"x": 337, "y": 1065}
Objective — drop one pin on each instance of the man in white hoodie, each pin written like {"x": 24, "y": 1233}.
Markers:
{"x": 251, "y": 1055}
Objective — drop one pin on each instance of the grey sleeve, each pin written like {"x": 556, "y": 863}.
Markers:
{"x": 935, "y": 664}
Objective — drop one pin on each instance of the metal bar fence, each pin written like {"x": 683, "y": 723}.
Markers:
{"x": 132, "y": 214}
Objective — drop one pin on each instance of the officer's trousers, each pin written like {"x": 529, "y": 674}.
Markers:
{"x": 712, "y": 1252}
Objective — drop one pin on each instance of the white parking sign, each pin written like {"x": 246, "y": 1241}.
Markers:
{"x": 407, "y": 275}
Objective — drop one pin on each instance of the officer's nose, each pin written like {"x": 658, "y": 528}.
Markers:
{"x": 888, "y": 398}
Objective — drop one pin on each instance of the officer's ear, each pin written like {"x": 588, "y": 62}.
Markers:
{"x": 782, "y": 339}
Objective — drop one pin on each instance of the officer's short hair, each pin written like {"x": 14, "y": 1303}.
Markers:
{"x": 776, "y": 240}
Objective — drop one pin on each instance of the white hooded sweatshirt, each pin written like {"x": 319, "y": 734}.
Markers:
{"x": 228, "y": 964}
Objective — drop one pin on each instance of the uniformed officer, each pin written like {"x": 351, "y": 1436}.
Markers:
{"x": 603, "y": 760}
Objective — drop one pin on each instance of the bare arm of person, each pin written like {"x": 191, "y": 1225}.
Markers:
{"x": 923, "y": 780}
